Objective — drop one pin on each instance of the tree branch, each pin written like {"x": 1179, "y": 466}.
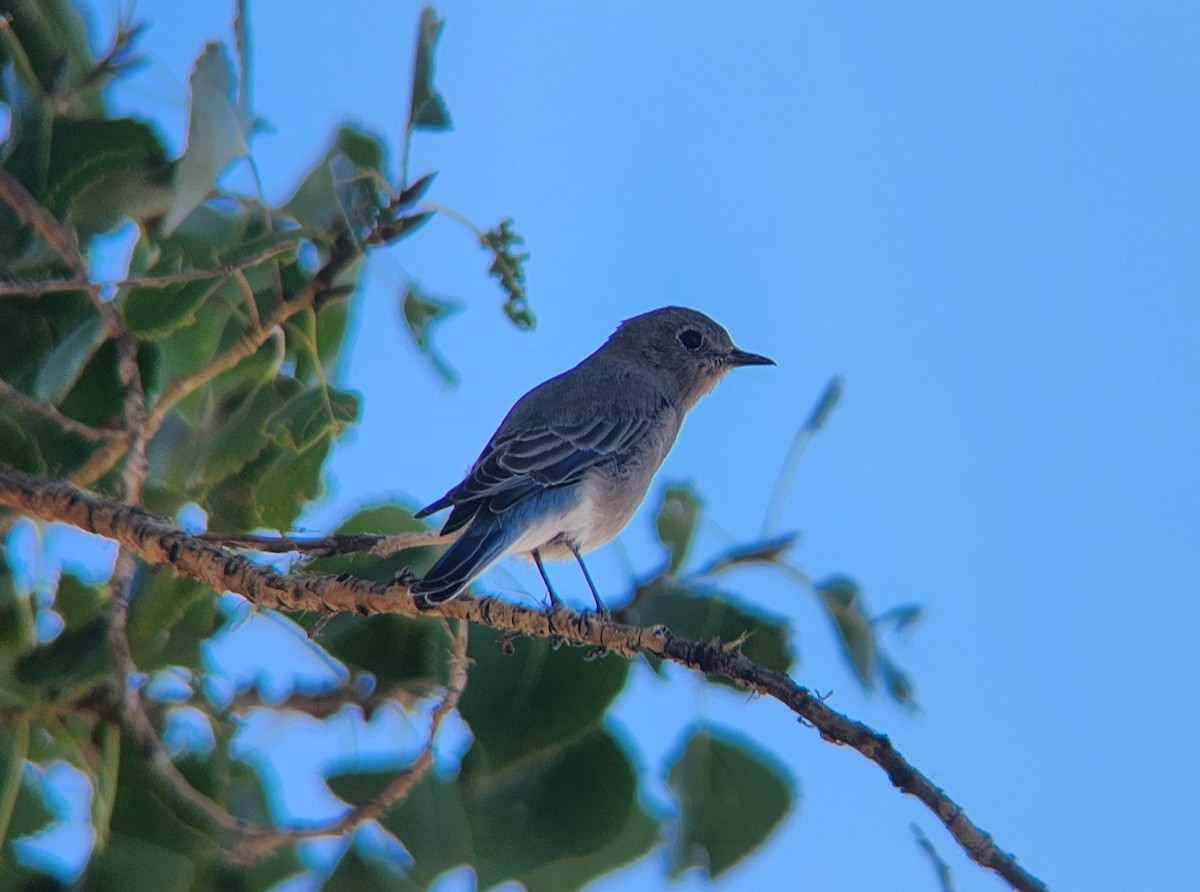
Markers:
{"x": 396, "y": 791}
{"x": 323, "y": 704}
{"x": 158, "y": 541}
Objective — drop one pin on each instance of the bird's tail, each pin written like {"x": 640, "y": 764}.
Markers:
{"x": 477, "y": 549}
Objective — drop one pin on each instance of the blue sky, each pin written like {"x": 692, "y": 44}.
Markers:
{"x": 984, "y": 217}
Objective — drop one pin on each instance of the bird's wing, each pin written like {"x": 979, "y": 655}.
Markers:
{"x": 519, "y": 463}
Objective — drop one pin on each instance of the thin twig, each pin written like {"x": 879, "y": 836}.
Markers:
{"x": 243, "y": 285}
{"x": 166, "y": 280}
{"x": 395, "y": 792}
{"x": 377, "y": 544}
{"x": 324, "y": 704}
{"x": 112, "y": 63}
{"x": 158, "y": 541}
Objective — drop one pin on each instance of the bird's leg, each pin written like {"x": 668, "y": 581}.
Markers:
{"x": 588, "y": 576}
{"x": 537, "y": 559}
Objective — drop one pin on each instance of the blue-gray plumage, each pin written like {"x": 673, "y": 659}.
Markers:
{"x": 574, "y": 457}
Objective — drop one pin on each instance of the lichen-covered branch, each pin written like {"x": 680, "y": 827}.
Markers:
{"x": 158, "y": 541}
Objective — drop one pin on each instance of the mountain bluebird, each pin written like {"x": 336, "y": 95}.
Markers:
{"x": 573, "y": 458}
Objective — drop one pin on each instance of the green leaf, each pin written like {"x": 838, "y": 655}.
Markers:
{"x": 77, "y": 601}
{"x": 16, "y": 620}
{"x": 130, "y": 864}
{"x": 145, "y": 807}
{"x": 18, "y": 449}
{"x": 731, "y": 796}
{"x": 356, "y": 873}
{"x": 30, "y": 813}
{"x": 828, "y": 400}
{"x": 428, "y": 109}
{"x": 553, "y": 823}
{"x": 61, "y": 741}
{"x": 635, "y": 839}
{"x": 104, "y": 171}
{"x": 231, "y": 504}
{"x": 675, "y": 522}
{"x": 270, "y": 490}
{"x": 76, "y": 656}
{"x": 61, "y": 369}
{"x": 896, "y": 680}
{"x": 313, "y": 414}
{"x": 843, "y": 600}
{"x": 714, "y": 615}
{"x": 568, "y": 804}
{"x": 767, "y": 551}
{"x": 535, "y": 699}
{"x": 508, "y": 265}
{"x": 149, "y": 363}
{"x": 170, "y": 618}
{"x": 197, "y": 243}
{"x": 395, "y": 649}
{"x": 97, "y": 397}
{"x": 291, "y": 481}
{"x": 345, "y": 186}
{"x": 359, "y": 788}
{"x": 343, "y": 406}
{"x": 14, "y": 747}
{"x": 105, "y": 777}
{"x": 29, "y": 330}
{"x": 332, "y": 323}
{"x": 258, "y": 368}
{"x": 422, "y": 314}
{"x": 216, "y": 134}
{"x": 187, "y": 350}
{"x": 901, "y": 617}
{"x": 413, "y": 192}
{"x": 266, "y": 873}
{"x": 433, "y": 824}
{"x": 391, "y": 230}
{"x": 154, "y": 312}
{"x": 242, "y": 434}
{"x": 174, "y": 456}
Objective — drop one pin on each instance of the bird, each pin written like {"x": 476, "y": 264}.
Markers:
{"x": 573, "y": 458}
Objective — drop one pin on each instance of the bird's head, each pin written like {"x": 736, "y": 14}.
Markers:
{"x": 687, "y": 350}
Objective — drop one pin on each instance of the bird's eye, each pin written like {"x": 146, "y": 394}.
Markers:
{"x": 691, "y": 339}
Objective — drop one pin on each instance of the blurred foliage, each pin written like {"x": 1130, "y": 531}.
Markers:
{"x": 546, "y": 794}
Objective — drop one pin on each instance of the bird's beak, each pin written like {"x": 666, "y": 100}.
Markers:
{"x": 738, "y": 357}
